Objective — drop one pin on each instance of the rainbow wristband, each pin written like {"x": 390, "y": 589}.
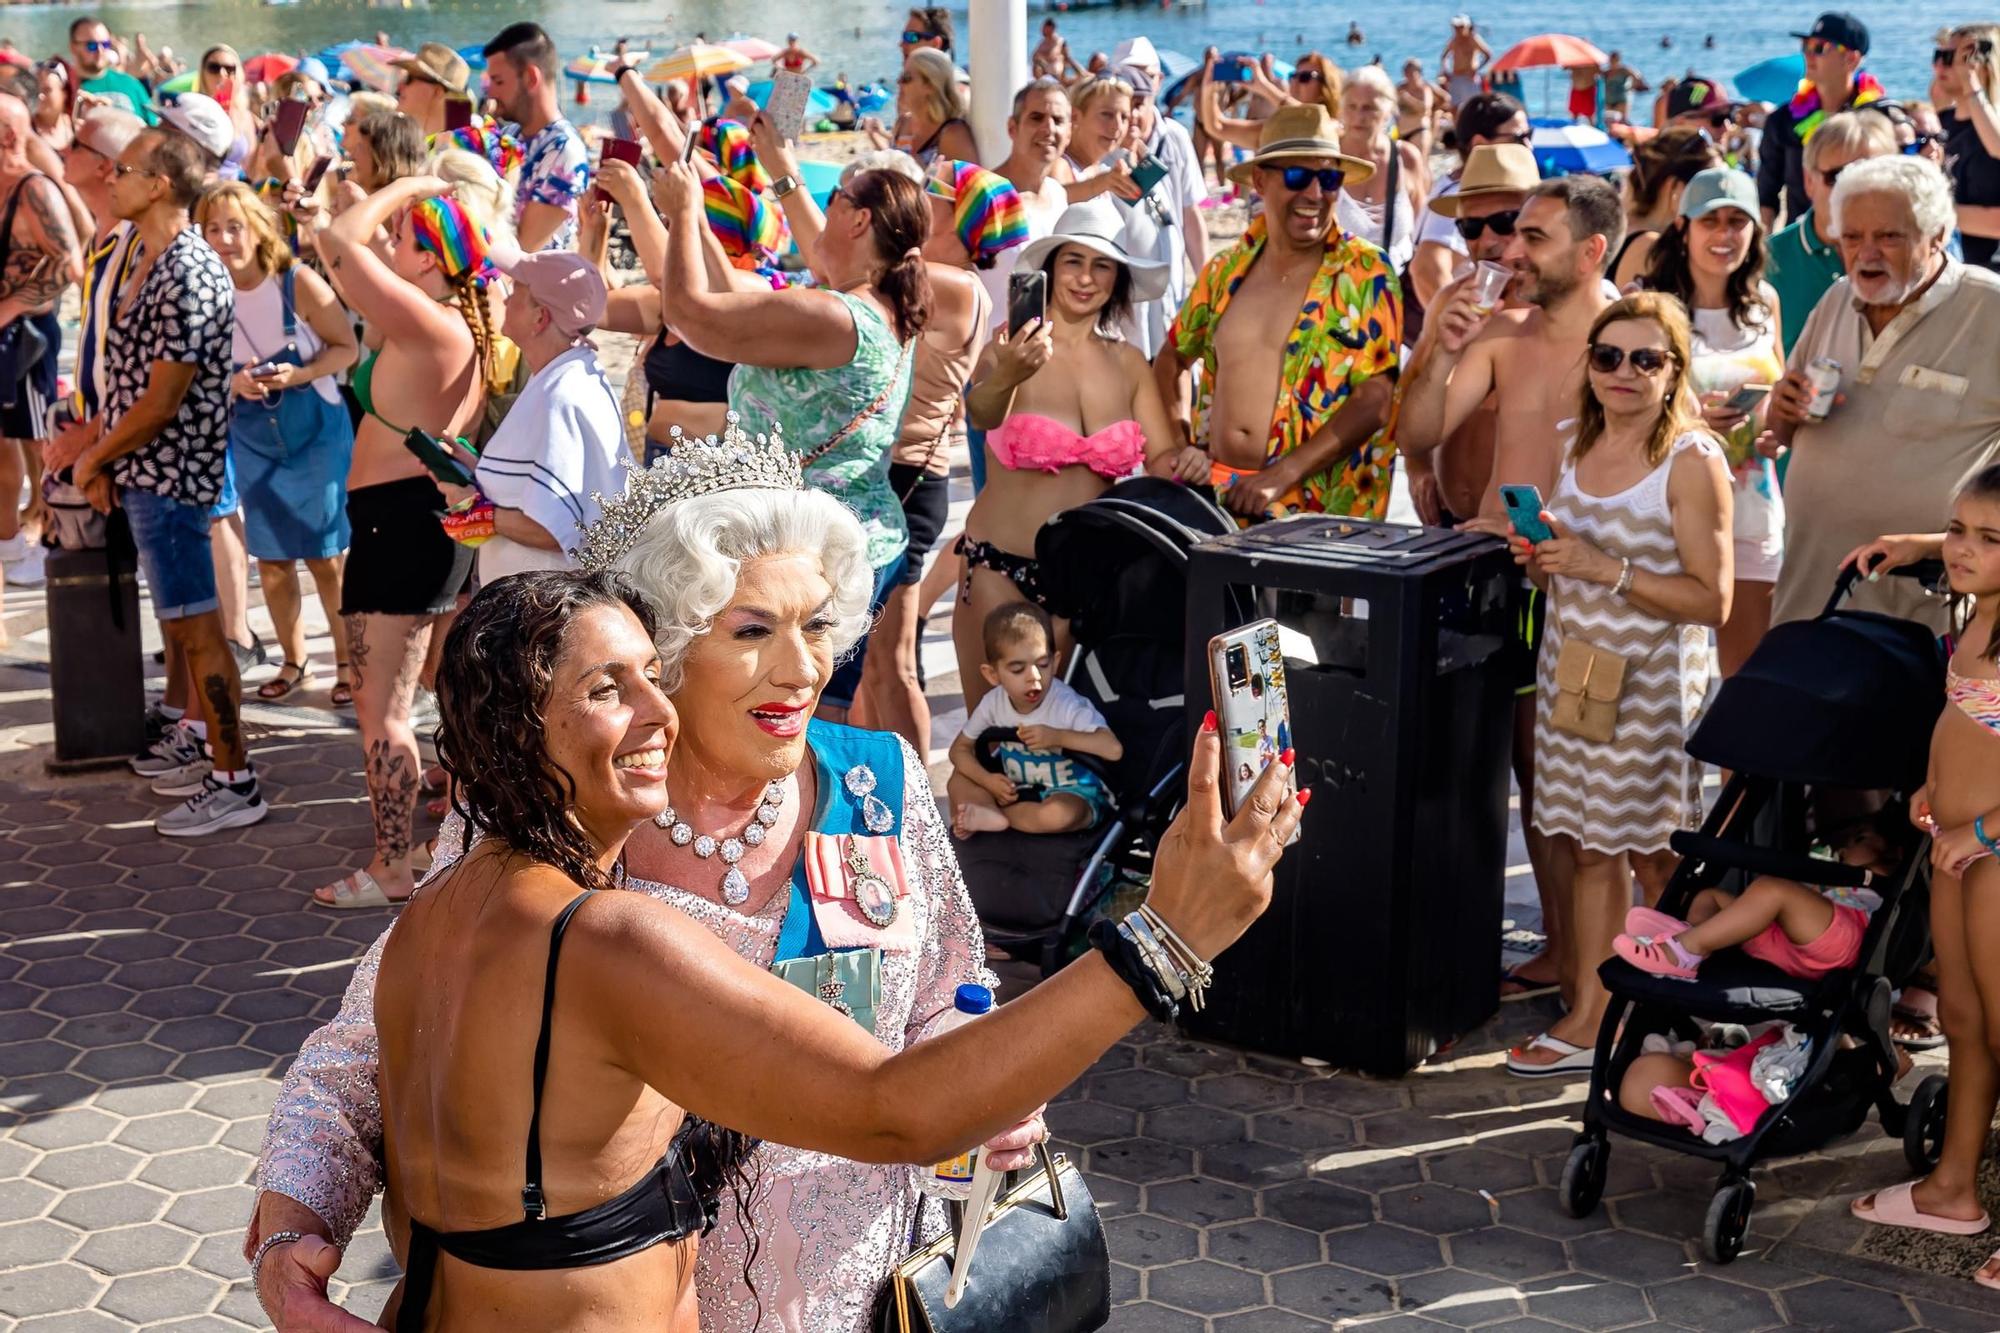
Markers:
{"x": 1979, "y": 831}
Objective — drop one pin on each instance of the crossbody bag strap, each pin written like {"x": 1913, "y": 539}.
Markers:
{"x": 867, "y": 413}
{"x": 1389, "y": 194}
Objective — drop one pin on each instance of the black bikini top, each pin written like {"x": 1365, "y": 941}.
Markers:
{"x": 678, "y": 1197}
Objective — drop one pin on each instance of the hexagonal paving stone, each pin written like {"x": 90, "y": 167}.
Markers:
{"x": 1331, "y": 1292}
{"x": 20, "y": 1199}
{"x": 1301, "y": 1128}
{"x": 210, "y": 1211}
{"x": 1263, "y": 1247}
{"x": 114, "y": 1064}
{"x": 171, "y": 1130}
{"x": 1268, "y": 1320}
{"x": 1506, "y": 1253}
{"x": 1139, "y": 1089}
{"x": 96, "y": 1164}
{"x": 1351, "y": 1094}
{"x": 75, "y": 1321}
{"x": 1385, "y": 1249}
{"x": 1145, "y": 1241}
{"x": 138, "y": 1249}
{"x": 1090, "y": 1122}
{"x": 196, "y": 1168}
{"x": 1317, "y": 1205}
{"x": 66, "y": 1129}
{"x": 1244, "y": 1092}
{"x": 1146, "y": 1318}
{"x": 1202, "y": 1202}
{"x": 1723, "y": 1307}
{"x": 1411, "y": 1129}
{"x": 233, "y": 1101}
{"x": 37, "y": 1241}
{"x": 162, "y": 1295}
{"x": 1253, "y": 1164}
{"x": 1481, "y": 1169}
{"x": 104, "y": 1206}
{"x": 1641, "y": 1260}
{"x": 1584, "y": 1301}
{"x": 1455, "y": 1297}
{"x": 1438, "y": 1209}
{"x": 1190, "y": 1059}
{"x": 45, "y": 1288}
{"x": 1194, "y": 1126}
{"x": 1141, "y": 1160}
{"x": 1204, "y": 1287}
{"x": 1833, "y": 1303}
{"x": 1540, "y": 1211}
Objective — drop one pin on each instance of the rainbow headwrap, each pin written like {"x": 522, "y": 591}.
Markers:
{"x": 501, "y": 151}
{"x": 728, "y": 142}
{"x": 443, "y": 227}
{"x": 986, "y": 209}
{"x": 1807, "y": 113}
{"x": 744, "y": 223}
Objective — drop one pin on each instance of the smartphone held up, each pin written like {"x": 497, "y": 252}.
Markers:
{"x": 1253, "y": 710}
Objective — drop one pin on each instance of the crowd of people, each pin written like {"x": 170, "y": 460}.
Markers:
{"x": 364, "y": 343}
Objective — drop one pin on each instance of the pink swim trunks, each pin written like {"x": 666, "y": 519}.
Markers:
{"x": 1837, "y": 946}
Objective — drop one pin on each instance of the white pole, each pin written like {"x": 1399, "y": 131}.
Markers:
{"x": 996, "y": 45}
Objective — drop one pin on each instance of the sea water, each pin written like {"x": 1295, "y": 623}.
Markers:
{"x": 861, "y": 39}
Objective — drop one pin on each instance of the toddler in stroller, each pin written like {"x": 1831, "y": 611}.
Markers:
{"x": 1038, "y": 789}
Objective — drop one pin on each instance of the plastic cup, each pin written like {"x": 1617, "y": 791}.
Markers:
{"x": 1489, "y": 284}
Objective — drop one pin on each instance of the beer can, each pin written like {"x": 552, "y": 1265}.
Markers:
{"x": 1824, "y": 375}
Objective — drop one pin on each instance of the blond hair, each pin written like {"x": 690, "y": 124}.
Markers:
{"x": 1990, "y": 61}
{"x": 485, "y": 194}
{"x": 934, "y": 67}
{"x": 274, "y": 253}
{"x": 1679, "y": 411}
{"x": 1098, "y": 85}
{"x": 1859, "y": 131}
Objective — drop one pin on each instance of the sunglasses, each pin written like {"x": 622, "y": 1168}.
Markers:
{"x": 1524, "y": 137}
{"x": 1501, "y": 223}
{"x": 1605, "y": 359}
{"x": 218, "y": 68}
{"x": 911, "y": 37}
{"x": 97, "y": 46}
{"x": 1943, "y": 57}
{"x": 1923, "y": 140}
{"x": 840, "y": 194}
{"x": 1297, "y": 178}
{"x": 1819, "y": 46}
{"x": 1308, "y": 76}
{"x": 120, "y": 170}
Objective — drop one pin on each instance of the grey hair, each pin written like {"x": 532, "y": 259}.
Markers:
{"x": 1376, "y": 80}
{"x": 114, "y": 128}
{"x": 688, "y": 557}
{"x": 1920, "y": 183}
{"x": 1851, "y": 132}
{"x": 883, "y": 159}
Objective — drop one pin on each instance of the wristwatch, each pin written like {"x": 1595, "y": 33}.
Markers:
{"x": 783, "y": 186}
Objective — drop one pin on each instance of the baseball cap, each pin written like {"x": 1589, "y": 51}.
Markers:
{"x": 1840, "y": 28}
{"x": 1719, "y": 187}
{"x": 437, "y": 63}
{"x": 1695, "y": 93}
{"x": 201, "y": 118}
{"x": 562, "y": 282}
{"x": 1138, "y": 78}
{"x": 1138, "y": 52}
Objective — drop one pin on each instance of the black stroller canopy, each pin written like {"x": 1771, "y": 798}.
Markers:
{"x": 1849, "y": 700}
{"x": 1117, "y": 567}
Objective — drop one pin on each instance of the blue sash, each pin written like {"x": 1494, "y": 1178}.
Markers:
{"x": 835, "y": 750}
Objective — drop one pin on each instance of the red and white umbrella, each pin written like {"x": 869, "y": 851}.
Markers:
{"x": 1550, "y": 50}
{"x": 754, "y": 49}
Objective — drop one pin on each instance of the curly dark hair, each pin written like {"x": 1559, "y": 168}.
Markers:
{"x": 492, "y": 689}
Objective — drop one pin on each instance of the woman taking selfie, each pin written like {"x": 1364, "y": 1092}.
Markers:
{"x": 1638, "y": 568}
{"x": 761, "y": 587}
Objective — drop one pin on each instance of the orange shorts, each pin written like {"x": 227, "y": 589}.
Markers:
{"x": 1221, "y": 476}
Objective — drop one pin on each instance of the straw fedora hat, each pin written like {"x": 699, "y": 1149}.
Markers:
{"x": 1301, "y": 131}
{"x": 1492, "y": 168}
{"x": 1097, "y": 226}
{"x": 434, "y": 62}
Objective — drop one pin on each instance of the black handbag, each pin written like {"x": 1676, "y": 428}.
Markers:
{"x": 1041, "y": 1264}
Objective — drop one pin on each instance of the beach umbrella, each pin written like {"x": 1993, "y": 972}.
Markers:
{"x": 701, "y": 60}
{"x": 330, "y": 56}
{"x": 374, "y": 66}
{"x": 1550, "y": 50}
{"x": 1563, "y": 149}
{"x": 820, "y": 179}
{"x": 753, "y": 49}
{"x": 1775, "y": 80}
{"x": 265, "y": 68}
{"x": 474, "y": 56}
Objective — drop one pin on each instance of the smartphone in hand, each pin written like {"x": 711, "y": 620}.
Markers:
{"x": 1747, "y": 397}
{"x": 1027, "y": 300}
{"x": 791, "y": 96}
{"x": 1253, "y": 709}
{"x": 457, "y": 113}
{"x": 1524, "y": 512}
{"x": 617, "y": 150}
{"x": 287, "y": 124}
{"x": 318, "y": 173}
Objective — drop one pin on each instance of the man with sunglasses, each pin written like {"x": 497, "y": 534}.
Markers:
{"x": 1489, "y": 118}
{"x": 113, "y": 252}
{"x": 1804, "y": 259}
{"x": 1834, "y": 50}
{"x": 1297, "y": 330}
{"x": 96, "y": 57}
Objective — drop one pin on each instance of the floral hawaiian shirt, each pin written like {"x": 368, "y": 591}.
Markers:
{"x": 1350, "y": 328}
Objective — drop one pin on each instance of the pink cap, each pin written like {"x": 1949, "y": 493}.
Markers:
{"x": 565, "y": 284}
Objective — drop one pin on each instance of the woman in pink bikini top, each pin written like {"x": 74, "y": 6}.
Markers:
{"x": 1069, "y": 407}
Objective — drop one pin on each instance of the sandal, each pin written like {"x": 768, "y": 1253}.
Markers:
{"x": 1988, "y": 1274}
{"x": 342, "y": 694}
{"x": 1571, "y": 1058}
{"x": 278, "y": 687}
{"x": 1916, "y": 1011}
{"x": 356, "y": 890}
{"x": 1894, "y": 1207}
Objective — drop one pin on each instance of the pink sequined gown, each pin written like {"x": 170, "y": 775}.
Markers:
{"x": 828, "y": 1230}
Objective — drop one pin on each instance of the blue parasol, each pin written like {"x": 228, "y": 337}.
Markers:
{"x": 1564, "y": 149}
{"x": 1775, "y": 80}
{"x": 473, "y": 56}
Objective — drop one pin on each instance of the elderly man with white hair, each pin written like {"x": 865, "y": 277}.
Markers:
{"x": 1918, "y": 408}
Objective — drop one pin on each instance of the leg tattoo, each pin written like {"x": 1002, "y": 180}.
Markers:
{"x": 357, "y": 646}
{"x": 222, "y": 711}
{"x": 392, "y": 796}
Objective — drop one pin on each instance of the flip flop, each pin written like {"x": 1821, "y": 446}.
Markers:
{"x": 1573, "y": 1059}
{"x": 1979, "y": 1274}
{"x": 1514, "y": 986}
{"x": 1893, "y": 1207}
{"x": 357, "y": 890}
{"x": 1918, "y": 1007}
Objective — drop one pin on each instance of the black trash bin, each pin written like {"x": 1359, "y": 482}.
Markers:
{"x": 96, "y": 656}
{"x": 1383, "y": 938}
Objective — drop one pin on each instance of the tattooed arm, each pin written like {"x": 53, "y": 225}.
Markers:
{"x": 45, "y": 258}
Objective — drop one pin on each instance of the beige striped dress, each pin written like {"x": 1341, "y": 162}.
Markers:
{"x": 1630, "y": 794}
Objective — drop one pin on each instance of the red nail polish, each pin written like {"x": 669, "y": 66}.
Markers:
{"x": 1287, "y": 756}
{"x": 1305, "y": 795}
{"x": 1208, "y": 723}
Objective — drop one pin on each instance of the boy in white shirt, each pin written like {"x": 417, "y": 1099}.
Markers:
{"x": 1039, "y": 789}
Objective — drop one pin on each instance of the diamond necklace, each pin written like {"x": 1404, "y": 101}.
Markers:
{"x": 735, "y": 884}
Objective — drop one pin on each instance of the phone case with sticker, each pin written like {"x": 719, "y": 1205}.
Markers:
{"x": 1253, "y": 708}
{"x": 791, "y": 95}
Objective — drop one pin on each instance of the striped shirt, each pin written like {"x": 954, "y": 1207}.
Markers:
{"x": 106, "y": 271}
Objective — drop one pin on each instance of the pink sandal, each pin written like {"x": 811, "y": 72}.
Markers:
{"x": 1894, "y": 1207}
{"x": 1663, "y": 956}
{"x": 1646, "y": 921}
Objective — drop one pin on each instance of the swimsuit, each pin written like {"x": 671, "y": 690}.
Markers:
{"x": 1978, "y": 696}
{"x": 1026, "y": 440}
{"x": 677, "y": 1198}
{"x": 1025, "y": 571}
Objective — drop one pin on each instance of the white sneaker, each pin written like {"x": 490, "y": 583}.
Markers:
{"x": 175, "y": 750}
{"x": 13, "y": 548}
{"x": 212, "y": 809}
{"x": 185, "y": 780}
{"x": 28, "y": 572}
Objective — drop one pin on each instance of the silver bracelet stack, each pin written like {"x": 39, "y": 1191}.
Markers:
{"x": 1179, "y": 968}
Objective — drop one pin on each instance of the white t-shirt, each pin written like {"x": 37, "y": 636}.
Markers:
{"x": 1061, "y": 707}
{"x": 1436, "y": 226}
{"x": 562, "y": 442}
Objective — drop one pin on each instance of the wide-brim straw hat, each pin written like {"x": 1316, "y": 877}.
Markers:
{"x": 1492, "y": 168}
{"x": 1098, "y": 227}
{"x": 1297, "y": 132}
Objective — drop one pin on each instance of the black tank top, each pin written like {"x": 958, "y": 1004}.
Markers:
{"x": 677, "y": 1198}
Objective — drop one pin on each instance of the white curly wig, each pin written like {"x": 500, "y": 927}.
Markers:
{"x": 688, "y": 556}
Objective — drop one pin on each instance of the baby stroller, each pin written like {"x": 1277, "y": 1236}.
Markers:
{"x": 1116, "y": 569}
{"x": 1844, "y": 702}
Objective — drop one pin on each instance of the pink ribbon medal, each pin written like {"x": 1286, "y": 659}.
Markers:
{"x": 857, "y": 889}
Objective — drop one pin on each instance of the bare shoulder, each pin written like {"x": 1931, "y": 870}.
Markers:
{"x": 1698, "y": 464}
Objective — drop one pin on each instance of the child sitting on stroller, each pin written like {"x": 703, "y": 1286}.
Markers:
{"x": 1804, "y": 931}
{"x": 1039, "y": 789}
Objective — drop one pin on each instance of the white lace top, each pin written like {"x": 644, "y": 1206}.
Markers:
{"x": 827, "y": 1230}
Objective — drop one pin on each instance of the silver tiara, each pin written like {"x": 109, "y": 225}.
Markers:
{"x": 693, "y": 466}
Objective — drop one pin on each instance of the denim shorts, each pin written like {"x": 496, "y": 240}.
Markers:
{"x": 845, "y": 682}
{"x": 172, "y": 538}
